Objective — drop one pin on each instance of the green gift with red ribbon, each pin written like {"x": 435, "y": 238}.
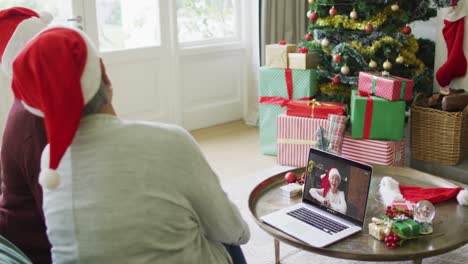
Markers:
{"x": 386, "y": 86}
{"x": 373, "y": 117}
{"x": 277, "y": 87}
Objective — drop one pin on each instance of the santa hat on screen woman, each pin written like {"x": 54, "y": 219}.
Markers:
{"x": 18, "y": 25}
{"x": 56, "y": 74}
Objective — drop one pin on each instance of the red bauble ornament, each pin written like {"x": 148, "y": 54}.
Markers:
{"x": 369, "y": 28}
{"x": 336, "y": 80}
{"x": 406, "y": 30}
{"x": 337, "y": 58}
{"x": 282, "y": 42}
{"x": 314, "y": 16}
{"x": 332, "y": 11}
{"x": 303, "y": 50}
{"x": 308, "y": 37}
{"x": 290, "y": 177}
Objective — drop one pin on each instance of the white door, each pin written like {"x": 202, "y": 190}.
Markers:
{"x": 176, "y": 61}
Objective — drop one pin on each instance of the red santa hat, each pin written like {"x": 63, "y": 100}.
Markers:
{"x": 18, "y": 25}
{"x": 56, "y": 75}
{"x": 391, "y": 190}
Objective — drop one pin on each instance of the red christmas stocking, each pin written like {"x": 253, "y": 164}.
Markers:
{"x": 453, "y": 32}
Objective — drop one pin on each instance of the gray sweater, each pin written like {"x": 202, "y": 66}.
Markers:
{"x": 138, "y": 192}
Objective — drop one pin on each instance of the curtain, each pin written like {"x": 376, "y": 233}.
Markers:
{"x": 277, "y": 20}
{"x": 282, "y": 20}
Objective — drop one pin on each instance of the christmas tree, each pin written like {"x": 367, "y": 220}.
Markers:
{"x": 368, "y": 35}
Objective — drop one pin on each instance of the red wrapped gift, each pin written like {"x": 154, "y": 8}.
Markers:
{"x": 314, "y": 108}
{"x": 405, "y": 205}
{"x": 389, "y": 87}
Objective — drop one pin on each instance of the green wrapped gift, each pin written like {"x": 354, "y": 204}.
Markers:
{"x": 276, "y": 88}
{"x": 373, "y": 117}
{"x": 408, "y": 228}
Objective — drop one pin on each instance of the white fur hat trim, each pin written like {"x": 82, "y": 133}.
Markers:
{"x": 462, "y": 197}
{"x": 49, "y": 179}
{"x": 389, "y": 190}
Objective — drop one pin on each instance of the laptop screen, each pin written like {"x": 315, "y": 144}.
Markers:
{"x": 337, "y": 185}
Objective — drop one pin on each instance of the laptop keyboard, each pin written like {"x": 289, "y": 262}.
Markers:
{"x": 316, "y": 220}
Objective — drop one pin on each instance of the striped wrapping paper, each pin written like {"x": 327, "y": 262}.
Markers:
{"x": 295, "y": 136}
{"x": 374, "y": 151}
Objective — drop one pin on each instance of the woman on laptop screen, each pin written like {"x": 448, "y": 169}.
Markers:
{"x": 328, "y": 194}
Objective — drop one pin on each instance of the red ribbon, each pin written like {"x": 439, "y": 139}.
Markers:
{"x": 368, "y": 115}
{"x": 281, "y": 100}
{"x": 454, "y": 2}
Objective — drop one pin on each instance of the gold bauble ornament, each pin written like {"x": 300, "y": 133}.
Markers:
{"x": 373, "y": 64}
{"x": 311, "y": 1}
{"x": 387, "y": 65}
{"x": 325, "y": 42}
{"x": 308, "y": 13}
{"x": 353, "y": 14}
{"x": 395, "y": 7}
{"x": 345, "y": 69}
{"x": 400, "y": 59}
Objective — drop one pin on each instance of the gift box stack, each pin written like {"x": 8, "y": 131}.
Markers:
{"x": 288, "y": 74}
{"x": 378, "y": 119}
{"x": 302, "y": 126}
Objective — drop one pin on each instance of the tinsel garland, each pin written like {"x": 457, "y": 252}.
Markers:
{"x": 335, "y": 36}
{"x": 408, "y": 52}
{"x": 349, "y": 23}
{"x": 334, "y": 89}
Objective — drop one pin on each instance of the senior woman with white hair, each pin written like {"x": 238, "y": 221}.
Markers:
{"x": 333, "y": 198}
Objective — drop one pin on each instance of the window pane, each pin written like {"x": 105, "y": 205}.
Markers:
{"x": 205, "y": 19}
{"x": 58, "y": 8}
{"x": 126, "y": 24}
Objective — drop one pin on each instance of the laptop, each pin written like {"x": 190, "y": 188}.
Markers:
{"x": 333, "y": 204}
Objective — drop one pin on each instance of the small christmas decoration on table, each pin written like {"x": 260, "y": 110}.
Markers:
{"x": 294, "y": 184}
{"x": 405, "y": 220}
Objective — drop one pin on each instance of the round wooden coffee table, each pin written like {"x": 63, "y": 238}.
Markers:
{"x": 451, "y": 220}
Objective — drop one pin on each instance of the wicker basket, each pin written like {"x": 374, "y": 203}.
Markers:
{"x": 438, "y": 136}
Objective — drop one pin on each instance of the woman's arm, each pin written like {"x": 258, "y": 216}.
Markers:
{"x": 317, "y": 194}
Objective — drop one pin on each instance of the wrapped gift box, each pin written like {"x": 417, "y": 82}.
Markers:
{"x": 315, "y": 109}
{"x": 377, "y": 231}
{"x": 276, "y": 55}
{"x": 390, "y": 153}
{"x": 389, "y": 87}
{"x": 404, "y": 205}
{"x": 296, "y": 135}
{"x": 276, "y": 88}
{"x": 407, "y": 228}
{"x": 303, "y": 61}
{"x": 373, "y": 117}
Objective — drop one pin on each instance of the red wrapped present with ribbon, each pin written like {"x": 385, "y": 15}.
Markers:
{"x": 277, "y": 87}
{"x": 386, "y": 86}
{"x": 314, "y": 109}
{"x": 390, "y": 153}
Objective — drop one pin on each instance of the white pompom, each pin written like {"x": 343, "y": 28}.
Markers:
{"x": 49, "y": 179}
{"x": 46, "y": 17}
{"x": 389, "y": 190}
{"x": 462, "y": 197}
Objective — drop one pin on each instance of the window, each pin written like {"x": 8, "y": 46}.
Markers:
{"x": 126, "y": 24}
{"x": 201, "y": 20}
{"x": 58, "y": 8}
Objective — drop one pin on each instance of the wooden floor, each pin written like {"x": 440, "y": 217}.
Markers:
{"x": 233, "y": 149}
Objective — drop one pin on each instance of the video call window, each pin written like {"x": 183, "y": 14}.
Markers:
{"x": 337, "y": 186}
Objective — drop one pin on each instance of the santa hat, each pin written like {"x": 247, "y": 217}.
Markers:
{"x": 18, "y": 25}
{"x": 325, "y": 184}
{"x": 55, "y": 75}
{"x": 391, "y": 190}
